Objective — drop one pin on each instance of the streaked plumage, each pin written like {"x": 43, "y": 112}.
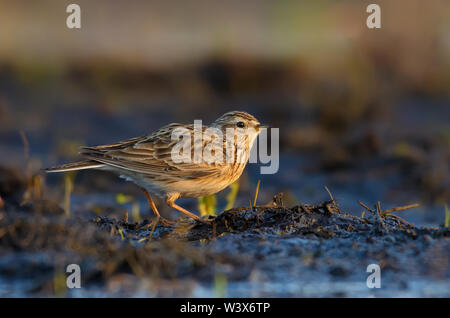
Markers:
{"x": 147, "y": 161}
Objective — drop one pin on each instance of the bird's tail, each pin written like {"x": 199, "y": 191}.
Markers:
{"x": 80, "y": 165}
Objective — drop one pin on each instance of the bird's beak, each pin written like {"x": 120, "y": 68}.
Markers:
{"x": 261, "y": 126}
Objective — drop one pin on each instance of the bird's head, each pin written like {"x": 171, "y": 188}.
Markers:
{"x": 242, "y": 122}
{"x": 239, "y": 120}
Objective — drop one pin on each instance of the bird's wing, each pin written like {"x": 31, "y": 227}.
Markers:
{"x": 151, "y": 155}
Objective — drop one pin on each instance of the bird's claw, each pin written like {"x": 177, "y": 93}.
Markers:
{"x": 166, "y": 222}
{"x": 205, "y": 221}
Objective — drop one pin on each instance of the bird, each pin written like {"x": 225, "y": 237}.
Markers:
{"x": 148, "y": 161}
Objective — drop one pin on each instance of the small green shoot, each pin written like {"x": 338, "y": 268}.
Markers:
{"x": 135, "y": 209}
{"x": 207, "y": 205}
{"x": 154, "y": 227}
{"x": 121, "y": 234}
{"x": 231, "y": 197}
{"x": 220, "y": 285}
{"x": 59, "y": 284}
{"x": 123, "y": 198}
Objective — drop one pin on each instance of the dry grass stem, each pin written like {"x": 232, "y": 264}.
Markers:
{"x": 256, "y": 193}
{"x": 402, "y": 208}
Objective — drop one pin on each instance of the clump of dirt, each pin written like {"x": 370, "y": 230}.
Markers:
{"x": 325, "y": 221}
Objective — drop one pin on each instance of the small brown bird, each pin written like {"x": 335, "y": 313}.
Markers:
{"x": 154, "y": 162}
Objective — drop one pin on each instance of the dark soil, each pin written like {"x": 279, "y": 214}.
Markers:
{"x": 305, "y": 250}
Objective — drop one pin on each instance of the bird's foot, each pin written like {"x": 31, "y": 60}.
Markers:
{"x": 205, "y": 221}
{"x": 166, "y": 222}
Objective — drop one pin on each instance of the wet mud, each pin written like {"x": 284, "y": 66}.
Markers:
{"x": 273, "y": 250}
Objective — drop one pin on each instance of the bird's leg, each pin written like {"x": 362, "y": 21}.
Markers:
{"x": 155, "y": 210}
{"x": 172, "y": 204}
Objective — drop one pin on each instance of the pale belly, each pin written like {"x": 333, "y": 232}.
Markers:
{"x": 195, "y": 189}
{"x": 190, "y": 188}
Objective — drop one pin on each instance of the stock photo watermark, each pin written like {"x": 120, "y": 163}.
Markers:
{"x": 374, "y": 19}
{"x": 374, "y": 279}
{"x": 73, "y": 20}
{"x": 74, "y": 278}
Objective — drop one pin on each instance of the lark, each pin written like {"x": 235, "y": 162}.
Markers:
{"x": 151, "y": 161}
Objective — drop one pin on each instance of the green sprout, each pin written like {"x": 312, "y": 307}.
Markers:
{"x": 207, "y": 205}
{"x": 220, "y": 285}
{"x": 135, "y": 209}
{"x": 231, "y": 197}
{"x": 59, "y": 284}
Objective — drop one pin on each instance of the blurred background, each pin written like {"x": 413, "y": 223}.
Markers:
{"x": 363, "y": 112}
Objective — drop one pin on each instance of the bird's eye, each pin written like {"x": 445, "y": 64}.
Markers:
{"x": 240, "y": 124}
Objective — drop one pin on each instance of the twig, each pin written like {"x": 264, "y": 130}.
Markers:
{"x": 68, "y": 188}
{"x": 401, "y": 208}
{"x": 154, "y": 226}
{"x": 380, "y": 215}
{"x": 366, "y": 207}
{"x": 256, "y": 193}
{"x": 399, "y": 218}
{"x": 379, "y": 211}
{"x": 329, "y": 193}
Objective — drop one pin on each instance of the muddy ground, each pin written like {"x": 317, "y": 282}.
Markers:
{"x": 273, "y": 250}
{"x": 378, "y": 137}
